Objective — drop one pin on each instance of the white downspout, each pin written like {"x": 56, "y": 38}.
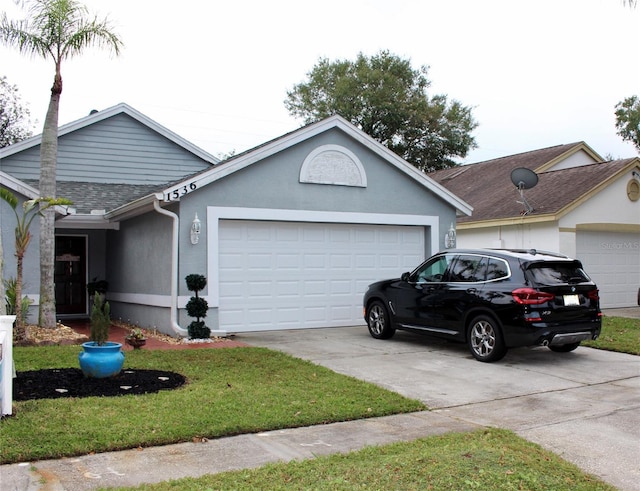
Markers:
{"x": 174, "y": 269}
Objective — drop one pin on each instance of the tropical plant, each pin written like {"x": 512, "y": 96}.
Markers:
{"x": 197, "y": 307}
{"x": 388, "y": 99}
{"x": 100, "y": 320}
{"x": 30, "y": 209}
{"x": 56, "y": 30}
{"x": 10, "y": 300}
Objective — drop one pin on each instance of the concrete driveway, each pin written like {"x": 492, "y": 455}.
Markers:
{"x": 584, "y": 405}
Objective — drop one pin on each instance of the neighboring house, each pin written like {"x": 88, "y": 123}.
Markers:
{"x": 289, "y": 234}
{"x": 581, "y": 206}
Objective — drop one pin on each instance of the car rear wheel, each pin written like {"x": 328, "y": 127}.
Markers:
{"x": 564, "y": 348}
{"x": 485, "y": 339}
{"x": 378, "y": 321}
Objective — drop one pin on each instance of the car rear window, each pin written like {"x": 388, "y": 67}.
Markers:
{"x": 557, "y": 273}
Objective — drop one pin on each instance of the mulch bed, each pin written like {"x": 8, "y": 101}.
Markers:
{"x": 71, "y": 382}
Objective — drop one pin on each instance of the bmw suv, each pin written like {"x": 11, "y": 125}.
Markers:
{"x": 491, "y": 299}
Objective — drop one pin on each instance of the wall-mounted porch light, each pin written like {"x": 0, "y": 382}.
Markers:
{"x": 450, "y": 238}
{"x": 195, "y": 230}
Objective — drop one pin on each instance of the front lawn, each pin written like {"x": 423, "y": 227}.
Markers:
{"x": 229, "y": 391}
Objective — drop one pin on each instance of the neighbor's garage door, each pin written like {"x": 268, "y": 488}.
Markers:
{"x": 290, "y": 275}
{"x": 613, "y": 262}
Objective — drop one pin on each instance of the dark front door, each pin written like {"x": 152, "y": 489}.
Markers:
{"x": 71, "y": 275}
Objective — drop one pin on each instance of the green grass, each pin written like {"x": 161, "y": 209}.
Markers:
{"x": 484, "y": 459}
{"x": 229, "y": 391}
{"x": 618, "y": 334}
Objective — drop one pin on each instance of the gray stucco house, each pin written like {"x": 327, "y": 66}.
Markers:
{"x": 289, "y": 234}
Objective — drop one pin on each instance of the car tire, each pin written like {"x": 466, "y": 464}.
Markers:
{"x": 485, "y": 339}
{"x": 378, "y": 321}
{"x": 564, "y": 348}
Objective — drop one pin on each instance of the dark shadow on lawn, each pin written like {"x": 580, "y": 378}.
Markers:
{"x": 70, "y": 382}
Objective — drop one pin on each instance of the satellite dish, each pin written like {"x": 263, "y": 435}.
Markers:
{"x": 524, "y": 178}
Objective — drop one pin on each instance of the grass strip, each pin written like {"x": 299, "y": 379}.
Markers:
{"x": 484, "y": 459}
{"x": 619, "y": 334}
{"x": 229, "y": 391}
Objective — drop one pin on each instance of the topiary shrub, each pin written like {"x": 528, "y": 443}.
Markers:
{"x": 197, "y": 307}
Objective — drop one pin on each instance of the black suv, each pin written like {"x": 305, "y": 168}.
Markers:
{"x": 492, "y": 299}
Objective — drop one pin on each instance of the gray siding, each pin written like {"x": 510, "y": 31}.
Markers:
{"x": 116, "y": 150}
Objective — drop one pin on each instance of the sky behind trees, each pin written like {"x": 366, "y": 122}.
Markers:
{"x": 537, "y": 73}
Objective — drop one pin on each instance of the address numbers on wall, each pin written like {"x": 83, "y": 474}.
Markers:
{"x": 179, "y": 192}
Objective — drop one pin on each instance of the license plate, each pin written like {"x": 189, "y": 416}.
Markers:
{"x": 571, "y": 300}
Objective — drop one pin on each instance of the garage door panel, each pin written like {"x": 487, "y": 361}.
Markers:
{"x": 612, "y": 259}
{"x": 288, "y": 275}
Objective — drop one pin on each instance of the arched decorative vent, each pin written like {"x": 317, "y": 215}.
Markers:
{"x": 333, "y": 164}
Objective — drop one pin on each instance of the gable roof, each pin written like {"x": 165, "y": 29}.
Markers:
{"x": 97, "y": 116}
{"x": 488, "y": 187}
{"x": 272, "y": 147}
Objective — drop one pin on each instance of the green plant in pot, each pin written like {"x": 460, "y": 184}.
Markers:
{"x": 101, "y": 358}
{"x": 136, "y": 338}
{"x": 197, "y": 307}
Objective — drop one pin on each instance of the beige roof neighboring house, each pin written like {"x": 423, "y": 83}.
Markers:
{"x": 487, "y": 186}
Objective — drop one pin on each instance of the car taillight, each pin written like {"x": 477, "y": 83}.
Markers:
{"x": 529, "y": 296}
{"x": 594, "y": 295}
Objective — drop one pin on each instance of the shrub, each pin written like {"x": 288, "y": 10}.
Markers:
{"x": 100, "y": 320}
{"x": 197, "y": 307}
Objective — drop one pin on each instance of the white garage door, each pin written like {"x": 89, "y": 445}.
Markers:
{"x": 291, "y": 275}
{"x": 613, "y": 262}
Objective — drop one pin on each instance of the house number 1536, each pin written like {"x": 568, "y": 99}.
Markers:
{"x": 179, "y": 192}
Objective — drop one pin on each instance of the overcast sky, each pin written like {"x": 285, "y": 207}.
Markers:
{"x": 538, "y": 73}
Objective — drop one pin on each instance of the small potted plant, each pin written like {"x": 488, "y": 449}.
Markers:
{"x": 101, "y": 358}
{"x": 136, "y": 338}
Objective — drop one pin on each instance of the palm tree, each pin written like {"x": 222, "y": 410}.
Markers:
{"x": 57, "y": 30}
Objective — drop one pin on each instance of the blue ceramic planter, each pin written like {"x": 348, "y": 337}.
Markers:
{"x": 101, "y": 361}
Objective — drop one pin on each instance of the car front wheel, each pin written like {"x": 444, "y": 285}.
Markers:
{"x": 485, "y": 339}
{"x": 378, "y": 321}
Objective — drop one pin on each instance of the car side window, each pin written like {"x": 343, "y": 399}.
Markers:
{"x": 433, "y": 270}
{"x": 468, "y": 269}
{"x": 493, "y": 269}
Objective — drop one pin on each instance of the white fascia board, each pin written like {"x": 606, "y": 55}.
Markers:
{"x": 94, "y": 222}
{"x": 17, "y": 186}
{"x": 134, "y": 208}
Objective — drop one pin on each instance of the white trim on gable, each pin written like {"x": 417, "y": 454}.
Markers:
{"x": 17, "y": 186}
{"x": 97, "y": 116}
{"x": 198, "y": 181}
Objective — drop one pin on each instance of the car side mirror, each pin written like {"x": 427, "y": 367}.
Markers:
{"x": 405, "y": 276}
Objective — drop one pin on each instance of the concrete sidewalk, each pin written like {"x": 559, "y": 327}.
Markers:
{"x": 156, "y": 464}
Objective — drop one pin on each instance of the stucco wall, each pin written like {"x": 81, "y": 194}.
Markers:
{"x": 139, "y": 267}
{"x": 611, "y": 205}
{"x": 542, "y": 236}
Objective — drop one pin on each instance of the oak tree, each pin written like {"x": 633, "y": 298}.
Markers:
{"x": 388, "y": 99}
